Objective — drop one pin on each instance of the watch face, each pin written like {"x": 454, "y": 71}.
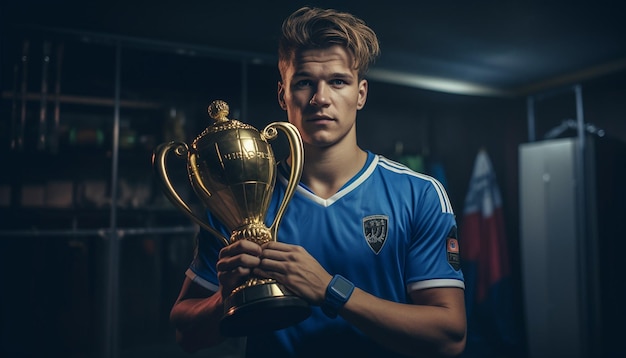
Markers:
{"x": 342, "y": 287}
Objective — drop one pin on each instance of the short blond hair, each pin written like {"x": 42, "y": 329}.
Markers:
{"x": 311, "y": 28}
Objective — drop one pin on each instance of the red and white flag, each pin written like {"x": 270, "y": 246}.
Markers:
{"x": 493, "y": 325}
{"x": 482, "y": 231}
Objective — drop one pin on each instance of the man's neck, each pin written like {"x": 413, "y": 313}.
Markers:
{"x": 326, "y": 170}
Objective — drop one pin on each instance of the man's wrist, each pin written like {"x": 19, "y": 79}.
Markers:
{"x": 338, "y": 292}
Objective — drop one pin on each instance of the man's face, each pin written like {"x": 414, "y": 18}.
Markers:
{"x": 321, "y": 93}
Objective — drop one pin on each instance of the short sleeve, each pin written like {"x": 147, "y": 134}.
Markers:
{"x": 433, "y": 257}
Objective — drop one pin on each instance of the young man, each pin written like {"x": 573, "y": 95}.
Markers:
{"x": 382, "y": 231}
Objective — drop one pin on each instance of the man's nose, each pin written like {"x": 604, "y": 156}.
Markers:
{"x": 320, "y": 96}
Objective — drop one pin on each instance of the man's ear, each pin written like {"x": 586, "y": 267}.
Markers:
{"x": 281, "y": 95}
{"x": 363, "y": 86}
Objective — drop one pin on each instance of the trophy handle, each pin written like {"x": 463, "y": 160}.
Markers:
{"x": 158, "y": 163}
{"x": 297, "y": 163}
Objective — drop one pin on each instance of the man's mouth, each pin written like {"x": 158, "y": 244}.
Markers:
{"x": 319, "y": 118}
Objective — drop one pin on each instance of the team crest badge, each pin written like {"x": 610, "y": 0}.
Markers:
{"x": 375, "y": 228}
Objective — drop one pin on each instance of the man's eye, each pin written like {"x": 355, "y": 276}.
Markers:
{"x": 304, "y": 83}
{"x": 337, "y": 82}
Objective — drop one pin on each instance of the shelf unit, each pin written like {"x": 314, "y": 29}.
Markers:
{"x": 82, "y": 113}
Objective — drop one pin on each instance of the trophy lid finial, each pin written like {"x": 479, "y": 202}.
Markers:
{"x": 218, "y": 110}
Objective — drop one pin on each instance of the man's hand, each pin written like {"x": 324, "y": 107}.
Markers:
{"x": 235, "y": 264}
{"x": 294, "y": 267}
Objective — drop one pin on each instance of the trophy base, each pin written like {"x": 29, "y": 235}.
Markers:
{"x": 259, "y": 308}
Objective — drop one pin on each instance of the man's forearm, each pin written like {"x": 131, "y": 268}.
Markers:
{"x": 197, "y": 322}
{"x": 433, "y": 331}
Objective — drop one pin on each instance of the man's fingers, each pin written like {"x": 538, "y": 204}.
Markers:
{"x": 241, "y": 247}
{"x": 241, "y": 260}
{"x": 278, "y": 246}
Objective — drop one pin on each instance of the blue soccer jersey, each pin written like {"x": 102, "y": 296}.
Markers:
{"x": 389, "y": 230}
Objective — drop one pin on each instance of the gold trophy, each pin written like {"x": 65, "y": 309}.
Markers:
{"x": 232, "y": 169}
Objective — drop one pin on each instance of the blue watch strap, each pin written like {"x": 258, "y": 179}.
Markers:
{"x": 338, "y": 292}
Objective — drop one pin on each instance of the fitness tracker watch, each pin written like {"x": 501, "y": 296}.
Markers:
{"x": 337, "y": 294}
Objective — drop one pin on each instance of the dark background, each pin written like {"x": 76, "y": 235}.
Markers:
{"x": 68, "y": 290}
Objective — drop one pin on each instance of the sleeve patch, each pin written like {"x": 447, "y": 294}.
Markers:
{"x": 452, "y": 250}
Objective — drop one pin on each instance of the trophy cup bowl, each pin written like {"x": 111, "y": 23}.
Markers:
{"x": 232, "y": 170}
